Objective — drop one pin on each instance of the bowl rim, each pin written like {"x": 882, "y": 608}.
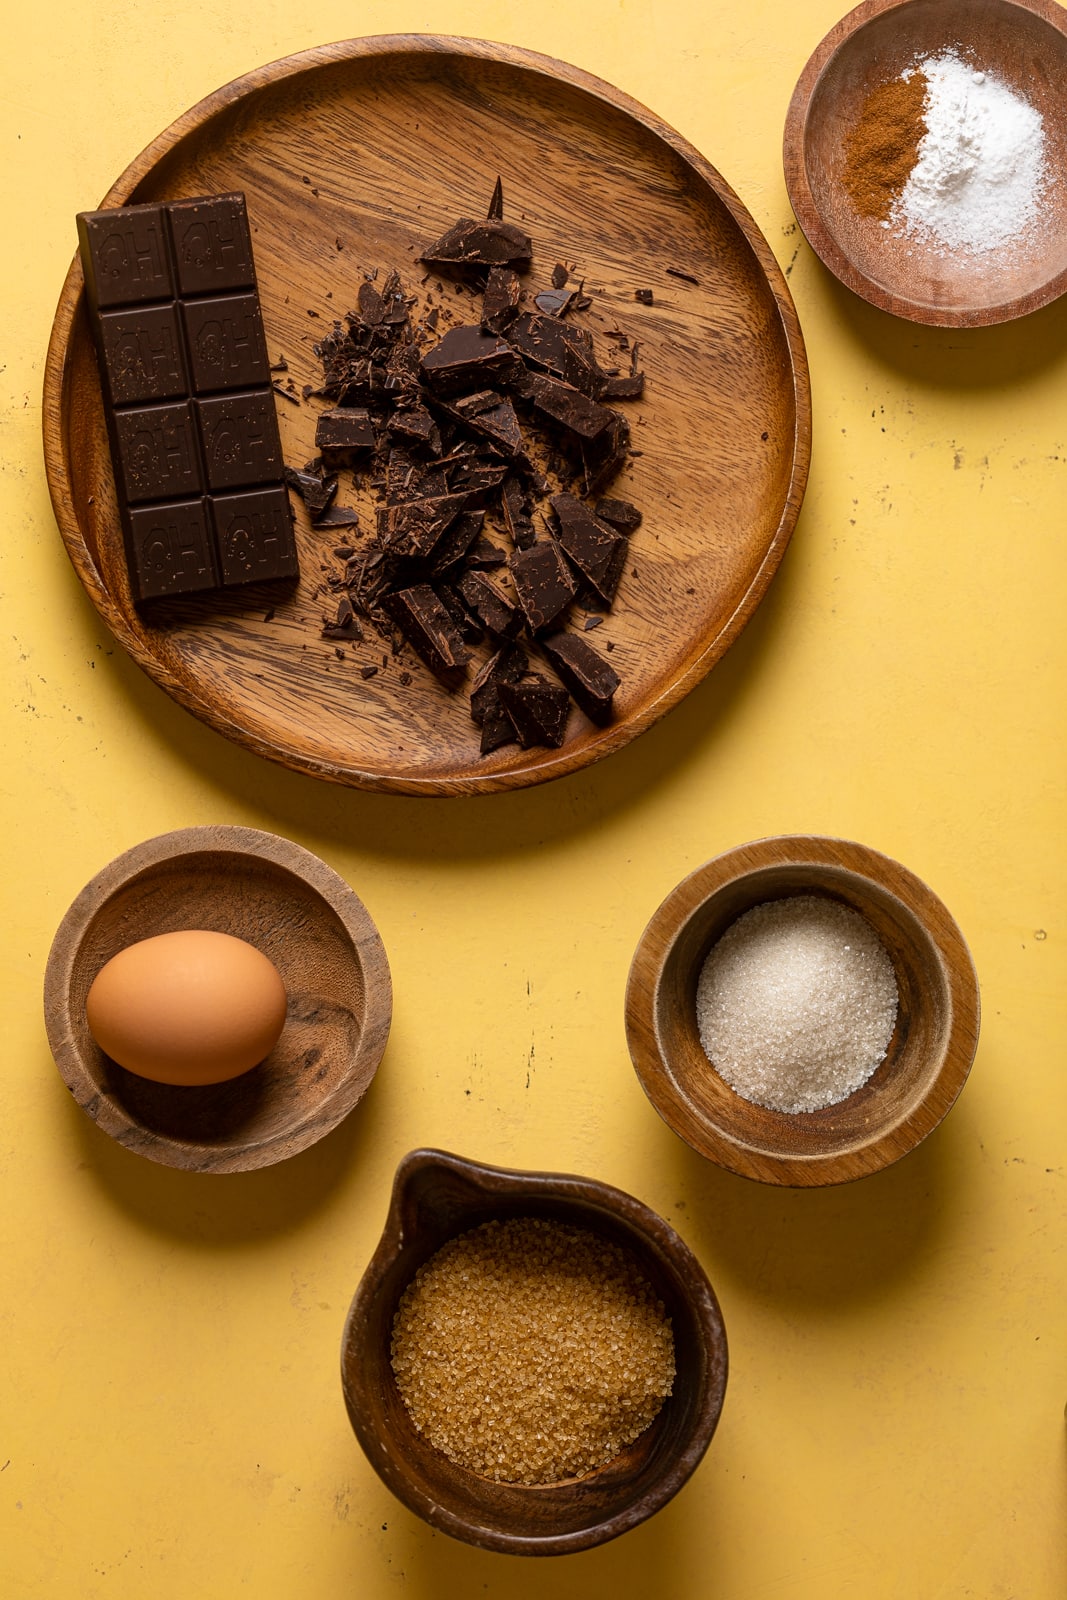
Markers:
{"x": 808, "y": 211}
{"x": 367, "y": 948}
{"x": 673, "y": 915}
{"x": 583, "y": 1193}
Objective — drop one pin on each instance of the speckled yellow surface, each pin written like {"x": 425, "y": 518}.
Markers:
{"x": 170, "y": 1416}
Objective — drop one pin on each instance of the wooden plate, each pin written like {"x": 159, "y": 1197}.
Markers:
{"x": 1024, "y": 42}
{"x": 356, "y": 155}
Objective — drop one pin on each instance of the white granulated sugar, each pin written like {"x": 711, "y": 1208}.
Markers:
{"x": 980, "y": 173}
{"x": 796, "y": 1003}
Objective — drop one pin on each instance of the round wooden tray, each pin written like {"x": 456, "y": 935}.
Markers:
{"x": 354, "y": 156}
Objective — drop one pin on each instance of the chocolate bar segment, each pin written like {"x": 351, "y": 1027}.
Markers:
{"x": 171, "y": 292}
{"x": 227, "y": 349}
{"x": 125, "y": 256}
{"x": 240, "y": 435}
{"x": 142, "y": 354}
{"x": 212, "y": 245}
{"x": 254, "y": 536}
{"x": 170, "y": 549}
{"x": 158, "y": 454}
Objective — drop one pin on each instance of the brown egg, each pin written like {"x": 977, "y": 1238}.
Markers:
{"x": 187, "y": 1008}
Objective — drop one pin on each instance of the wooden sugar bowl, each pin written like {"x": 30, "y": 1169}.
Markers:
{"x": 929, "y": 1054}
{"x": 277, "y": 896}
{"x": 437, "y": 1196}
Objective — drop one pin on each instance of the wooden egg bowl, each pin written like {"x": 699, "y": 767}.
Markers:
{"x": 289, "y": 904}
{"x": 929, "y": 1054}
{"x": 1022, "y": 42}
{"x": 437, "y": 1196}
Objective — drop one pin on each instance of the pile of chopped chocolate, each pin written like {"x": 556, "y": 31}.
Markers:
{"x": 465, "y": 430}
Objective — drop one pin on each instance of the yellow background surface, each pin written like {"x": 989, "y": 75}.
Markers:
{"x": 171, "y": 1423}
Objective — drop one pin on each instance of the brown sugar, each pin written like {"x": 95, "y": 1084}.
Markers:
{"x": 530, "y": 1351}
{"x": 883, "y": 147}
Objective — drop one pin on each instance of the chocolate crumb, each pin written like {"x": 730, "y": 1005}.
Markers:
{"x": 687, "y": 277}
{"x": 368, "y": 672}
{"x": 644, "y": 296}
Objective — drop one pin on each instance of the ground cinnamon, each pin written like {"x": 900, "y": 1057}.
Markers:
{"x": 884, "y": 145}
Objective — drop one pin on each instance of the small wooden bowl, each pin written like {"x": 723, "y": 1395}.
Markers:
{"x": 929, "y": 1055}
{"x": 437, "y": 1196}
{"x": 292, "y": 906}
{"x": 1024, "y": 43}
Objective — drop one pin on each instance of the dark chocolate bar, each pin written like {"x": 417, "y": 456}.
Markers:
{"x": 172, "y": 298}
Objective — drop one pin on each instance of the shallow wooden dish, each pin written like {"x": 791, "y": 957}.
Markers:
{"x": 319, "y": 935}
{"x": 1024, "y": 42}
{"x": 436, "y": 1196}
{"x": 377, "y": 145}
{"x": 929, "y": 1055}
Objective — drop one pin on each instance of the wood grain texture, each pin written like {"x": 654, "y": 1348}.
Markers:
{"x": 289, "y": 904}
{"x": 929, "y": 1054}
{"x": 437, "y": 1196}
{"x": 1024, "y": 42}
{"x": 355, "y": 156}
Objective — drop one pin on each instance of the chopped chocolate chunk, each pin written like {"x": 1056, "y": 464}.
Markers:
{"x": 346, "y": 625}
{"x": 516, "y": 514}
{"x": 543, "y": 583}
{"x": 562, "y": 348}
{"x": 316, "y": 491}
{"x": 496, "y": 202}
{"x": 491, "y": 415}
{"x": 466, "y": 359}
{"x": 455, "y": 543}
{"x": 595, "y": 551}
{"x": 555, "y": 302}
{"x": 293, "y": 399}
{"x": 538, "y": 710}
{"x": 493, "y": 609}
{"x": 470, "y": 244}
{"x": 338, "y": 517}
{"x": 484, "y": 554}
{"x": 624, "y": 517}
{"x": 470, "y": 627}
{"x": 587, "y": 675}
{"x": 370, "y": 304}
{"x": 644, "y": 296}
{"x": 343, "y": 432}
{"x": 559, "y": 275}
{"x": 591, "y": 622}
{"x": 508, "y": 665}
{"x": 500, "y": 301}
{"x": 414, "y": 527}
{"x": 416, "y": 426}
{"x": 368, "y": 672}
{"x": 429, "y": 629}
{"x": 569, "y": 407}
{"x": 607, "y": 454}
{"x": 497, "y": 727}
{"x": 630, "y": 387}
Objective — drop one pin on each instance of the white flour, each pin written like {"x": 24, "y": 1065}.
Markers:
{"x": 977, "y": 184}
